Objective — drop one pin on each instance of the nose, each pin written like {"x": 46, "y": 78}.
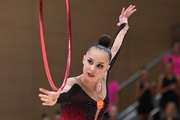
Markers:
{"x": 92, "y": 68}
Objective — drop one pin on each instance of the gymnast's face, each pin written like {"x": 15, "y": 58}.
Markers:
{"x": 96, "y": 63}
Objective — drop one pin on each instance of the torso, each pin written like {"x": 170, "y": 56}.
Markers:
{"x": 146, "y": 97}
{"x": 145, "y": 101}
{"x": 95, "y": 95}
{"x": 170, "y": 95}
{"x": 81, "y": 106}
{"x": 99, "y": 94}
{"x": 167, "y": 82}
{"x": 176, "y": 63}
{"x": 83, "y": 103}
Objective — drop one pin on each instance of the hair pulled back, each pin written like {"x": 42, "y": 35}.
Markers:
{"x": 103, "y": 44}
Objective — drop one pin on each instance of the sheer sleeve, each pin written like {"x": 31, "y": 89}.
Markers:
{"x": 115, "y": 48}
{"x": 69, "y": 90}
{"x": 65, "y": 96}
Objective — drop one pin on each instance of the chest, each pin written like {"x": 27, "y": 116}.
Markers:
{"x": 84, "y": 109}
{"x": 175, "y": 60}
{"x": 168, "y": 81}
{"x": 95, "y": 95}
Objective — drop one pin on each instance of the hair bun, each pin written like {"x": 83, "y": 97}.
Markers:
{"x": 105, "y": 40}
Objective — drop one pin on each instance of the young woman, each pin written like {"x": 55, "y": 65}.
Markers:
{"x": 170, "y": 112}
{"x": 174, "y": 57}
{"x": 145, "y": 93}
{"x": 169, "y": 86}
{"x": 85, "y": 97}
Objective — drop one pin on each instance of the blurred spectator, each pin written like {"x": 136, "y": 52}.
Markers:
{"x": 113, "y": 90}
{"x": 44, "y": 116}
{"x": 170, "y": 112}
{"x": 112, "y": 113}
{"x": 57, "y": 115}
{"x": 174, "y": 57}
{"x": 168, "y": 86}
{"x": 145, "y": 93}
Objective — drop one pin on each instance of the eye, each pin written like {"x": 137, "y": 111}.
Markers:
{"x": 90, "y": 62}
{"x": 100, "y": 66}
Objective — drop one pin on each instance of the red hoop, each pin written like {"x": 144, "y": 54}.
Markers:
{"x": 41, "y": 25}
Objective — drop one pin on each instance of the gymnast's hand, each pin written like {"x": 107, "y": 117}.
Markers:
{"x": 49, "y": 98}
{"x": 125, "y": 14}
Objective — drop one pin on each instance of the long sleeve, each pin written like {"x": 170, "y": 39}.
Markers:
{"x": 115, "y": 49}
{"x": 66, "y": 96}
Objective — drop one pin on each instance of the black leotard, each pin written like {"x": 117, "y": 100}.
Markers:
{"x": 77, "y": 105}
{"x": 145, "y": 101}
{"x": 170, "y": 95}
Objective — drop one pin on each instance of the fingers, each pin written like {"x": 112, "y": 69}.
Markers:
{"x": 122, "y": 12}
{"x": 130, "y": 10}
{"x": 45, "y": 100}
{"x": 46, "y": 104}
{"x": 43, "y": 96}
{"x": 44, "y": 91}
{"x": 48, "y": 98}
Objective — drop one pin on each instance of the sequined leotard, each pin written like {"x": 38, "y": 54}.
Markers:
{"x": 76, "y": 104}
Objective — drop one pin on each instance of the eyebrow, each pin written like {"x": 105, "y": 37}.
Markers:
{"x": 93, "y": 60}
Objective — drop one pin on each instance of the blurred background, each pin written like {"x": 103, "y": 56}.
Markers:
{"x": 153, "y": 28}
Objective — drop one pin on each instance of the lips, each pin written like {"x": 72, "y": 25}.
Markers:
{"x": 90, "y": 75}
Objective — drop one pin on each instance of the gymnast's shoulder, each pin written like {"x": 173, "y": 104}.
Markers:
{"x": 70, "y": 82}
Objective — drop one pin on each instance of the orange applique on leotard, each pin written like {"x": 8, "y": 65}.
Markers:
{"x": 100, "y": 104}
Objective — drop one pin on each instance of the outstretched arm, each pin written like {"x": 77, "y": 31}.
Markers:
{"x": 123, "y": 24}
{"x": 49, "y": 98}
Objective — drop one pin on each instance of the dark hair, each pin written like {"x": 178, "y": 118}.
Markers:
{"x": 103, "y": 44}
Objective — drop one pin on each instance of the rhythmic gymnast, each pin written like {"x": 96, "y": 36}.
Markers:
{"x": 85, "y": 97}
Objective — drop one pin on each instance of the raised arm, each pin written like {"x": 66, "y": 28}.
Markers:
{"x": 123, "y": 24}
